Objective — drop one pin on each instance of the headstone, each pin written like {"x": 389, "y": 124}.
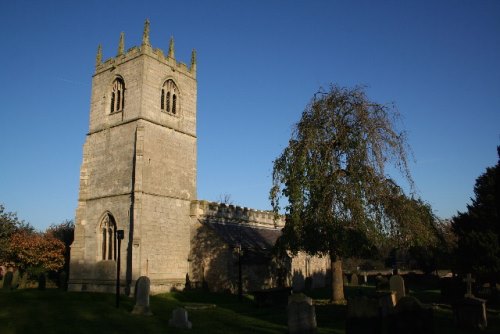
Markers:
{"x": 42, "y": 281}
{"x": 387, "y": 301}
{"x": 63, "y": 281}
{"x": 363, "y": 316}
{"x": 301, "y": 314}
{"x": 396, "y": 283}
{"x": 470, "y": 312}
{"x": 381, "y": 284}
{"x": 354, "y": 280}
{"x": 142, "y": 287}
{"x": 365, "y": 278}
{"x": 468, "y": 281}
{"x": 411, "y": 317}
{"x": 7, "y": 280}
{"x": 180, "y": 319}
{"x": 16, "y": 280}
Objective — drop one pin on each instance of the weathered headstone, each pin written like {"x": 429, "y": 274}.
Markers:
{"x": 468, "y": 281}
{"x": 42, "y": 282}
{"x": 16, "y": 279}
{"x": 301, "y": 314}
{"x": 354, "y": 280}
{"x": 7, "y": 280}
{"x": 363, "y": 316}
{"x": 411, "y": 317}
{"x": 387, "y": 301}
{"x": 63, "y": 281}
{"x": 142, "y": 287}
{"x": 396, "y": 283}
{"x": 180, "y": 319}
{"x": 470, "y": 312}
{"x": 381, "y": 283}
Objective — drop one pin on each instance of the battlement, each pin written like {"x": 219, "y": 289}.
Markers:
{"x": 145, "y": 49}
{"x": 235, "y": 214}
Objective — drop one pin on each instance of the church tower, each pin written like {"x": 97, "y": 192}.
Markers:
{"x": 138, "y": 172}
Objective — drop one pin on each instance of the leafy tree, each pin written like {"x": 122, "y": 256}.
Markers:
{"x": 36, "y": 252}
{"x": 478, "y": 229}
{"x": 339, "y": 200}
{"x": 9, "y": 224}
{"x": 65, "y": 233}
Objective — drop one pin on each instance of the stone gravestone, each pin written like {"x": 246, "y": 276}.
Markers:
{"x": 42, "y": 282}
{"x": 363, "y": 316}
{"x": 411, "y": 317}
{"x": 470, "y": 312}
{"x": 63, "y": 281}
{"x": 387, "y": 301}
{"x": 301, "y": 314}
{"x": 365, "y": 278}
{"x": 469, "y": 280}
{"x": 396, "y": 283}
{"x": 7, "y": 280}
{"x": 354, "y": 280}
{"x": 16, "y": 279}
{"x": 142, "y": 296}
{"x": 381, "y": 283}
{"x": 180, "y": 319}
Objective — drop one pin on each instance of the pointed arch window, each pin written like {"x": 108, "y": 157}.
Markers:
{"x": 169, "y": 97}
{"x": 107, "y": 235}
{"x": 117, "y": 95}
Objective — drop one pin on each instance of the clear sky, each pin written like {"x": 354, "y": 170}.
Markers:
{"x": 259, "y": 63}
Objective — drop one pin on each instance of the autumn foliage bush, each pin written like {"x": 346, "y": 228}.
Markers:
{"x": 36, "y": 250}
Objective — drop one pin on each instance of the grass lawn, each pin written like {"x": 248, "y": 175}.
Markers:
{"x": 55, "y": 311}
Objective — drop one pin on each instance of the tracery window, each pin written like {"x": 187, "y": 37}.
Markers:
{"x": 169, "y": 97}
{"x": 117, "y": 95}
{"x": 107, "y": 231}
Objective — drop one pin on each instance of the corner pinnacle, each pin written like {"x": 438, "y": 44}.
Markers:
{"x": 171, "y": 48}
{"x": 121, "y": 44}
{"x": 145, "y": 34}
{"x": 98, "y": 58}
{"x": 193, "y": 60}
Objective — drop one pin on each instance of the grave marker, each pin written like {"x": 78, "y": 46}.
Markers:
{"x": 354, "y": 280}
{"x": 180, "y": 319}
{"x": 397, "y": 284}
{"x": 7, "y": 280}
{"x": 142, "y": 287}
{"x": 301, "y": 315}
{"x": 469, "y": 280}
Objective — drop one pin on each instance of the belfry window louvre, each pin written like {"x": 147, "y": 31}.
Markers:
{"x": 169, "y": 97}
{"x": 117, "y": 95}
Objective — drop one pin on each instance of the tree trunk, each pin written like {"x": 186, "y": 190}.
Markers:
{"x": 337, "y": 280}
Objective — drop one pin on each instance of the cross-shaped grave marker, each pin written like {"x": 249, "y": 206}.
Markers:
{"x": 469, "y": 280}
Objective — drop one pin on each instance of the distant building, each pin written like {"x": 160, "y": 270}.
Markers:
{"x": 138, "y": 175}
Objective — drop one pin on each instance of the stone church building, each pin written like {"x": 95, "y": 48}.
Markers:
{"x": 138, "y": 175}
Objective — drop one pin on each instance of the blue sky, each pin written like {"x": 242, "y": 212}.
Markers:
{"x": 259, "y": 63}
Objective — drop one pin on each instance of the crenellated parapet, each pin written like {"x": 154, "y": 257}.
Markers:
{"x": 201, "y": 209}
{"x": 145, "y": 49}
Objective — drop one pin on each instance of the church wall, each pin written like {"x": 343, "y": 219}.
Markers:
{"x": 156, "y": 72}
{"x": 130, "y": 69}
{"x": 163, "y": 232}
{"x": 108, "y": 162}
{"x": 304, "y": 266}
{"x": 169, "y": 163}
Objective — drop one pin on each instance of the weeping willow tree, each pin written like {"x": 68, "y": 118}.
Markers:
{"x": 338, "y": 199}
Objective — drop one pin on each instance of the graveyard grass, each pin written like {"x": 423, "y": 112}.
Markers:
{"x": 55, "y": 311}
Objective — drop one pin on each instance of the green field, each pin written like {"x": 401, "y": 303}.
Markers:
{"x": 54, "y": 311}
